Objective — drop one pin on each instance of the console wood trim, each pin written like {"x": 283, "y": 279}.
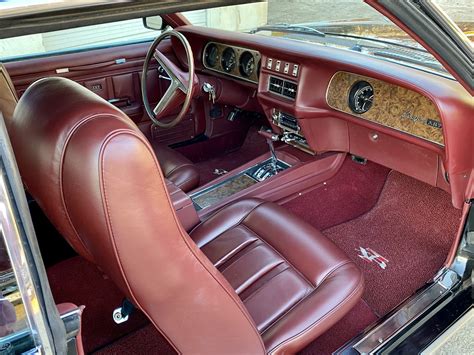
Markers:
{"x": 394, "y": 106}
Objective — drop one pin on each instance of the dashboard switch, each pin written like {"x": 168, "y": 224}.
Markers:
{"x": 269, "y": 63}
{"x": 287, "y": 68}
{"x": 277, "y": 65}
{"x": 295, "y": 70}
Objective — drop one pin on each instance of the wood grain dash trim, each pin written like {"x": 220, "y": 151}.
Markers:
{"x": 394, "y": 106}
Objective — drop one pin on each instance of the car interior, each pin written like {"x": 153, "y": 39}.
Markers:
{"x": 237, "y": 193}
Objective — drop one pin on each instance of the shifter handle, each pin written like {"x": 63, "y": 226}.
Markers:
{"x": 268, "y": 135}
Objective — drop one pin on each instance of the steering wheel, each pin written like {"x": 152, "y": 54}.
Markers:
{"x": 182, "y": 83}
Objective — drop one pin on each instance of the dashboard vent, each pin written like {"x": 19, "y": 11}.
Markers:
{"x": 282, "y": 87}
{"x": 289, "y": 89}
{"x": 288, "y": 121}
{"x": 275, "y": 85}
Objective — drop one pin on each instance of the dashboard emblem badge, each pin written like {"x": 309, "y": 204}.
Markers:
{"x": 372, "y": 256}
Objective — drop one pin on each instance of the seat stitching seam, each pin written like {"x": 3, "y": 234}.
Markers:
{"x": 249, "y": 297}
{"x": 281, "y": 256}
{"x": 314, "y": 324}
{"x": 333, "y": 270}
{"x": 71, "y": 133}
{"x": 240, "y": 256}
{"x": 265, "y": 273}
{"x": 240, "y": 307}
{"x": 110, "y": 227}
{"x": 239, "y": 222}
{"x": 308, "y": 294}
{"x": 277, "y": 319}
{"x": 178, "y": 167}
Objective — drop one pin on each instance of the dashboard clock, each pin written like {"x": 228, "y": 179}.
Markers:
{"x": 361, "y": 97}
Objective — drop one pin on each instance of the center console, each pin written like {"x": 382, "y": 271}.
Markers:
{"x": 238, "y": 182}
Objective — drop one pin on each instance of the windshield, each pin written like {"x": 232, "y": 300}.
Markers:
{"x": 348, "y": 24}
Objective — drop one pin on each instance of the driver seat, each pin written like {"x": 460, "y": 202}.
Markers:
{"x": 252, "y": 279}
{"x": 175, "y": 166}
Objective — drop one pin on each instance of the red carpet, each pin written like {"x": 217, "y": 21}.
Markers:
{"x": 413, "y": 226}
{"x": 144, "y": 341}
{"x": 78, "y": 281}
{"x": 352, "y": 192}
{"x": 360, "y": 317}
{"x": 409, "y": 223}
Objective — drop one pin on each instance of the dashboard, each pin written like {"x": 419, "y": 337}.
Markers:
{"x": 329, "y": 99}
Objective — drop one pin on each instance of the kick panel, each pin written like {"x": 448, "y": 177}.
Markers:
{"x": 386, "y": 104}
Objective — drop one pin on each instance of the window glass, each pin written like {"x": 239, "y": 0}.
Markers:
{"x": 462, "y": 14}
{"x": 346, "y": 24}
{"x": 76, "y": 38}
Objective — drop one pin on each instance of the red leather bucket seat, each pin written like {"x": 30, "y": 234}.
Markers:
{"x": 252, "y": 279}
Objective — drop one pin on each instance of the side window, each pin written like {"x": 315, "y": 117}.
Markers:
{"x": 79, "y": 38}
{"x": 240, "y": 18}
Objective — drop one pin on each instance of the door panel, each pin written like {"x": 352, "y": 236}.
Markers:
{"x": 114, "y": 74}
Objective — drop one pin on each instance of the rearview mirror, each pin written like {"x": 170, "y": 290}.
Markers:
{"x": 153, "y": 23}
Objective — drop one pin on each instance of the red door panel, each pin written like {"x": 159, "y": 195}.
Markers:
{"x": 114, "y": 74}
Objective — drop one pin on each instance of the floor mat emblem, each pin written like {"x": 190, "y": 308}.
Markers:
{"x": 372, "y": 256}
{"x": 220, "y": 172}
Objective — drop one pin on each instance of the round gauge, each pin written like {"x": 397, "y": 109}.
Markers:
{"x": 247, "y": 64}
{"x": 211, "y": 56}
{"x": 361, "y": 97}
{"x": 228, "y": 60}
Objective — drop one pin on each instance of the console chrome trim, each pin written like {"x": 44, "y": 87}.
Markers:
{"x": 246, "y": 171}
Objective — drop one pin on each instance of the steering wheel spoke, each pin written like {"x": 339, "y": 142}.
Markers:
{"x": 169, "y": 96}
{"x": 172, "y": 70}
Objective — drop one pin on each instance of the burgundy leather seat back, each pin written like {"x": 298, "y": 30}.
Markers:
{"x": 97, "y": 179}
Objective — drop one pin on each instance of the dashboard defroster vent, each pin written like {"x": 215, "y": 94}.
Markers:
{"x": 275, "y": 85}
{"x": 282, "y": 87}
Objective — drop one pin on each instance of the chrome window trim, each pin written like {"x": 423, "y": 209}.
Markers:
{"x": 16, "y": 227}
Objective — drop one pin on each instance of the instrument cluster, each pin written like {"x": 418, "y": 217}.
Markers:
{"x": 241, "y": 63}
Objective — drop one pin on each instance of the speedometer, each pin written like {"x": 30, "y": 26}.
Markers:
{"x": 228, "y": 60}
{"x": 247, "y": 64}
{"x": 361, "y": 97}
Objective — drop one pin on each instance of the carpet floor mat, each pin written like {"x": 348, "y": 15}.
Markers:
{"x": 80, "y": 282}
{"x": 144, "y": 341}
{"x": 353, "y": 191}
{"x": 402, "y": 242}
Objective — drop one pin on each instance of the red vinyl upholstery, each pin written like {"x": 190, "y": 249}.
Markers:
{"x": 294, "y": 282}
{"x": 252, "y": 279}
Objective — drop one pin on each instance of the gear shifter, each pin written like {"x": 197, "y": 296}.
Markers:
{"x": 271, "y": 137}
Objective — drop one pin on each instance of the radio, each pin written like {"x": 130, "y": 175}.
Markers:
{"x": 292, "y": 134}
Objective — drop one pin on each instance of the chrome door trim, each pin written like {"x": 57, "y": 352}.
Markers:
{"x": 48, "y": 330}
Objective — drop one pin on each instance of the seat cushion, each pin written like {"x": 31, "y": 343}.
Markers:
{"x": 294, "y": 282}
{"x": 176, "y": 167}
